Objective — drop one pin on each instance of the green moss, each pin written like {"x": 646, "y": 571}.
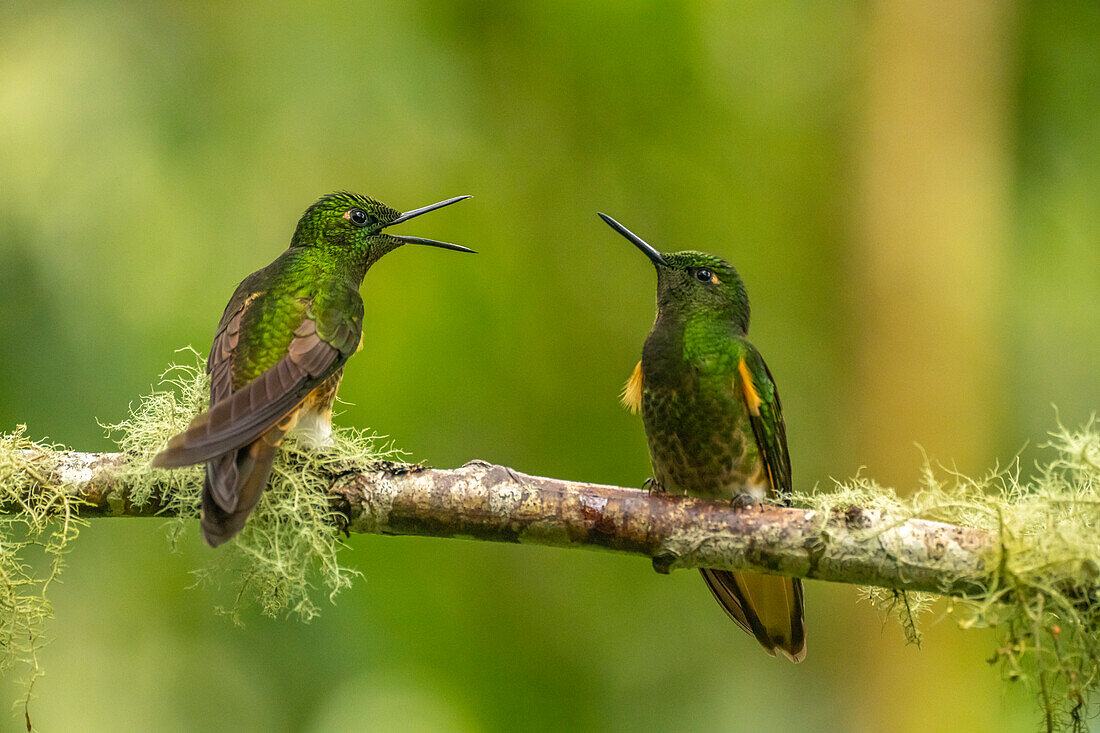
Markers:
{"x": 1044, "y": 603}
{"x": 287, "y": 555}
{"x": 37, "y": 525}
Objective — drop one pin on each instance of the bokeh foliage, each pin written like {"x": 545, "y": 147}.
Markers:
{"x": 153, "y": 155}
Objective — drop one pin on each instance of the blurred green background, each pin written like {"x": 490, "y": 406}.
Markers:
{"x": 910, "y": 191}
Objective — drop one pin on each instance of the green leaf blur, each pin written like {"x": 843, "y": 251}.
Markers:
{"x": 910, "y": 194}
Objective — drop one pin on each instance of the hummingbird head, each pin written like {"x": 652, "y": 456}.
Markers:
{"x": 694, "y": 283}
{"x": 350, "y": 223}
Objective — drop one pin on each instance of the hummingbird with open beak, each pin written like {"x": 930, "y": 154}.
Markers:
{"x": 279, "y": 352}
{"x": 714, "y": 423}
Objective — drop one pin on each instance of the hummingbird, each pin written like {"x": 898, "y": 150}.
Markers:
{"x": 714, "y": 423}
{"x": 279, "y": 353}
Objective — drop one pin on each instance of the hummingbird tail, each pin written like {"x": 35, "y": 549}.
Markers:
{"x": 769, "y": 607}
{"x": 248, "y": 470}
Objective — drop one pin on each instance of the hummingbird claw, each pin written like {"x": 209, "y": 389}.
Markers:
{"x": 662, "y": 564}
{"x": 343, "y": 526}
{"x": 652, "y": 484}
{"x": 743, "y": 501}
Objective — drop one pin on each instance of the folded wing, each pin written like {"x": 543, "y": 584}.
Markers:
{"x": 769, "y": 607}
{"x": 320, "y": 345}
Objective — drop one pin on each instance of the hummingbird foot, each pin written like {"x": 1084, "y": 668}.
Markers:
{"x": 744, "y": 500}
{"x": 652, "y": 484}
{"x": 663, "y": 563}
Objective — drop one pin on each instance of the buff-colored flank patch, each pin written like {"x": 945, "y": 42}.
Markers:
{"x": 752, "y": 399}
{"x": 632, "y": 391}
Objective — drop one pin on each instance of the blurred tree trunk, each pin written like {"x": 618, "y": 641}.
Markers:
{"x": 932, "y": 155}
{"x": 931, "y": 220}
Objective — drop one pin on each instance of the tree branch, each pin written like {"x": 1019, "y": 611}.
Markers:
{"x": 494, "y": 503}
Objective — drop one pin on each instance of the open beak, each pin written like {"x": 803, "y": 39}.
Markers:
{"x": 430, "y": 242}
{"x": 652, "y": 254}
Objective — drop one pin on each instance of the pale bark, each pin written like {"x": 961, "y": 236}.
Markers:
{"x": 482, "y": 501}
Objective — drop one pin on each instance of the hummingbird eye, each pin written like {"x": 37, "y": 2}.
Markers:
{"x": 704, "y": 275}
{"x": 358, "y": 217}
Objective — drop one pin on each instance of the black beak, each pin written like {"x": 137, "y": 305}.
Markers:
{"x": 652, "y": 254}
{"x": 430, "y": 242}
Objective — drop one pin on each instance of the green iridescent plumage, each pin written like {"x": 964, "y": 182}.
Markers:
{"x": 714, "y": 422}
{"x": 279, "y": 352}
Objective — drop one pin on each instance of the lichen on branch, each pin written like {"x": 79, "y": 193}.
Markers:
{"x": 288, "y": 551}
{"x": 1019, "y": 555}
{"x": 1043, "y": 597}
{"x": 39, "y": 519}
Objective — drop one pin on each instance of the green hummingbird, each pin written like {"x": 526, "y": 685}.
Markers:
{"x": 714, "y": 423}
{"x": 279, "y": 352}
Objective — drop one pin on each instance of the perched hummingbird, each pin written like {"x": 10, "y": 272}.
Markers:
{"x": 714, "y": 424}
{"x": 279, "y": 352}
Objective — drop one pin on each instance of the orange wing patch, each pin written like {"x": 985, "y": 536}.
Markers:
{"x": 752, "y": 398}
{"x": 632, "y": 391}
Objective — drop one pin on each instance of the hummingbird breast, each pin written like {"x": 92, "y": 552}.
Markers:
{"x": 700, "y": 442}
{"x": 700, "y": 438}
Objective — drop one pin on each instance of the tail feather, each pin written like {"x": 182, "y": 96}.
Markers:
{"x": 769, "y": 607}
{"x": 222, "y": 476}
{"x": 225, "y": 508}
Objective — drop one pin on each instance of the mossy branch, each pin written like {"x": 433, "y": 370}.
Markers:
{"x": 1020, "y": 556}
{"x": 488, "y": 502}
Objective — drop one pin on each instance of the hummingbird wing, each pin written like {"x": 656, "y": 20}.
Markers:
{"x": 223, "y": 472}
{"x": 761, "y": 398}
{"x": 228, "y": 500}
{"x": 321, "y": 343}
{"x": 769, "y": 607}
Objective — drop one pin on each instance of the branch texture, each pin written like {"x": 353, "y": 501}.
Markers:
{"x": 483, "y": 501}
